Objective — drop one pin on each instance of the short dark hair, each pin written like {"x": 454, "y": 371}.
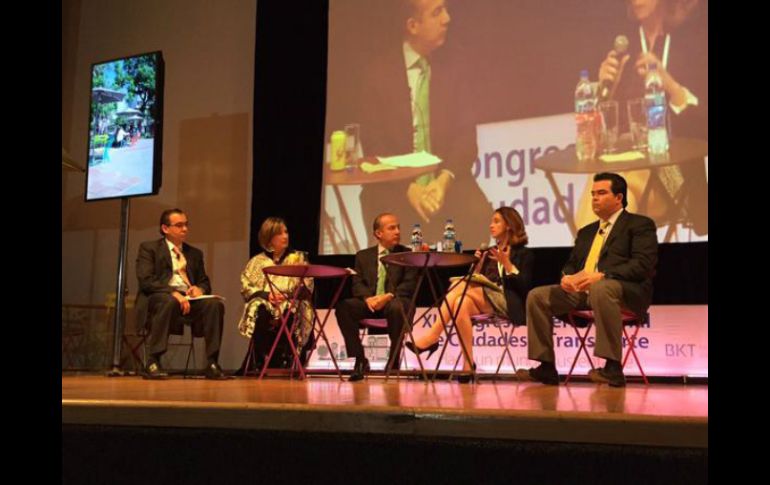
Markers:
{"x": 618, "y": 184}
{"x": 378, "y": 220}
{"x": 165, "y": 218}
{"x": 403, "y": 11}
{"x": 407, "y": 9}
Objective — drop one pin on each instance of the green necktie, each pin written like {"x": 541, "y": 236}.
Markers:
{"x": 381, "y": 273}
{"x": 422, "y": 116}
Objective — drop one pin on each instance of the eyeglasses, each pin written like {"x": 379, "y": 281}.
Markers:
{"x": 180, "y": 225}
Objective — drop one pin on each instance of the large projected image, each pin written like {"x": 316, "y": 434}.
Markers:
{"x": 441, "y": 109}
{"x": 124, "y": 142}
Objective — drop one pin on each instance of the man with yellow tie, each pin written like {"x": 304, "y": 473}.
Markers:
{"x": 379, "y": 291}
{"x": 170, "y": 274}
{"x": 610, "y": 267}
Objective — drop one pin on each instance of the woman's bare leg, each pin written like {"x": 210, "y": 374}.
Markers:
{"x": 434, "y": 332}
{"x": 473, "y": 304}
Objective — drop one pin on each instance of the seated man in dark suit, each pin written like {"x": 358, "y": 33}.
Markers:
{"x": 377, "y": 291}
{"x": 169, "y": 273}
{"x": 611, "y": 267}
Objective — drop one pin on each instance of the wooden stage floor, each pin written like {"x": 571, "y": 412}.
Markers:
{"x": 669, "y": 415}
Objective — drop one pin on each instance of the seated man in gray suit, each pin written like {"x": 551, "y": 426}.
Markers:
{"x": 169, "y": 273}
{"x": 378, "y": 291}
{"x": 610, "y": 268}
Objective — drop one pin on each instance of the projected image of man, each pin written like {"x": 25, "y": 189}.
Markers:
{"x": 413, "y": 101}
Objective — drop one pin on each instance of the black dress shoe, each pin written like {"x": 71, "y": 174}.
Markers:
{"x": 431, "y": 348}
{"x": 153, "y": 371}
{"x": 543, "y": 374}
{"x": 359, "y": 370}
{"x": 602, "y": 375}
{"x": 214, "y": 372}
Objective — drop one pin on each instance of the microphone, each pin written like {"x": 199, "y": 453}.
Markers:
{"x": 606, "y": 87}
{"x": 484, "y": 249}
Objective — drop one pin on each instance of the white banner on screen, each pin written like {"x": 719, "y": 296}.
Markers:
{"x": 505, "y": 172}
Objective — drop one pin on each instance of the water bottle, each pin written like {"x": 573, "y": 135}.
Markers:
{"x": 450, "y": 236}
{"x": 655, "y": 103}
{"x": 586, "y": 118}
{"x": 416, "y": 238}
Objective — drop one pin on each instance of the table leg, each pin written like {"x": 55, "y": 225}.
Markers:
{"x": 346, "y": 217}
{"x": 322, "y": 325}
{"x": 408, "y": 325}
{"x": 568, "y": 215}
{"x": 448, "y": 329}
{"x": 284, "y": 330}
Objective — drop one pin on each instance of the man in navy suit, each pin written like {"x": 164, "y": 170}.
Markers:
{"x": 170, "y": 272}
{"x": 610, "y": 268}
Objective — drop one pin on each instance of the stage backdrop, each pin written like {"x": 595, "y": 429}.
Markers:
{"x": 674, "y": 344}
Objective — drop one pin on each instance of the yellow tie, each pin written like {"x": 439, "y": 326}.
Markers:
{"x": 596, "y": 247}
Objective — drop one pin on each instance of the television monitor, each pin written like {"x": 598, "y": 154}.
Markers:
{"x": 125, "y": 130}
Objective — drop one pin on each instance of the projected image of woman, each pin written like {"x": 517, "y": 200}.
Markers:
{"x": 661, "y": 35}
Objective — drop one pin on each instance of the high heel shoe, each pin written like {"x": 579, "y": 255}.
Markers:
{"x": 432, "y": 348}
{"x": 466, "y": 378}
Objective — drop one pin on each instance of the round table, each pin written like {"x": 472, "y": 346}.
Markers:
{"x": 302, "y": 271}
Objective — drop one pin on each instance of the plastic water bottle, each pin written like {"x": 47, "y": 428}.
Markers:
{"x": 586, "y": 118}
{"x": 655, "y": 103}
{"x": 450, "y": 236}
{"x": 416, "y": 238}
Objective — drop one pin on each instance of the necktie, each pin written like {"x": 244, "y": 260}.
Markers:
{"x": 381, "y": 273}
{"x": 593, "y": 255}
{"x": 182, "y": 265}
{"x": 422, "y": 116}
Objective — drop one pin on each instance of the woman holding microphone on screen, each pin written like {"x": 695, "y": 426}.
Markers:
{"x": 669, "y": 34}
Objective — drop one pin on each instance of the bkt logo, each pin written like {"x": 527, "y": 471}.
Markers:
{"x": 680, "y": 350}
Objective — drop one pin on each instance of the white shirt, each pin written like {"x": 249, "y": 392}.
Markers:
{"x": 380, "y": 249}
{"x": 690, "y": 99}
{"x": 611, "y": 220}
{"x": 176, "y": 281}
{"x": 501, "y": 270}
{"x": 413, "y": 73}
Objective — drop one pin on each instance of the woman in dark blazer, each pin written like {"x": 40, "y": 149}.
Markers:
{"x": 499, "y": 284}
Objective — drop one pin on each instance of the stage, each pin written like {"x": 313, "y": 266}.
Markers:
{"x": 659, "y": 415}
